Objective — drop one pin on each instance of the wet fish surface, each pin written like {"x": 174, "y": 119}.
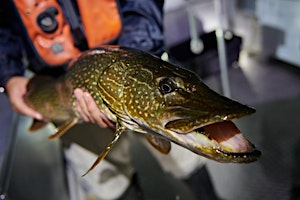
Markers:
{"x": 145, "y": 94}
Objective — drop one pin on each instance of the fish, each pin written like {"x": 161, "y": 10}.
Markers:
{"x": 142, "y": 93}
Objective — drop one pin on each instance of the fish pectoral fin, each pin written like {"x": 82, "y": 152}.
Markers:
{"x": 62, "y": 129}
{"x": 37, "y": 125}
{"x": 120, "y": 129}
{"x": 158, "y": 143}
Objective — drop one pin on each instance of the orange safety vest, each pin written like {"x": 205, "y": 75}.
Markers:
{"x": 51, "y": 34}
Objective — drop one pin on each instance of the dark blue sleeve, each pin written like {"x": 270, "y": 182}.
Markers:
{"x": 10, "y": 47}
{"x": 142, "y": 25}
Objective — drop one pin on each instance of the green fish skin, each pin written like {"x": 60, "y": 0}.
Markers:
{"x": 145, "y": 94}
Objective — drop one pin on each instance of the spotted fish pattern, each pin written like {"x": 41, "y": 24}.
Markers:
{"x": 142, "y": 93}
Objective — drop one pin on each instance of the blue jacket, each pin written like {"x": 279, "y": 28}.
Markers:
{"x": 142, "y": 29}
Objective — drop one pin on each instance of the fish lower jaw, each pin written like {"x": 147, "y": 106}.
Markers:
{"x": 211, "y": 149}
{"x": 237, "y": 157}
{"x": 213, "y": 144}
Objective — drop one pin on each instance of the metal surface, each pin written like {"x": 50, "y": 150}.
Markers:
{"x": 222, "y": 49}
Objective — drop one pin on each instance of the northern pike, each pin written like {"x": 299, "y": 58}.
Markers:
{"x": 143, "y": 93}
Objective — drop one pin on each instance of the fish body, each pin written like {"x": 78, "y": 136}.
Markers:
{"x": 142, "y": 93}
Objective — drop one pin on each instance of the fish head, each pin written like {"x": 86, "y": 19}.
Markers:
{"x": 174, "y": 103}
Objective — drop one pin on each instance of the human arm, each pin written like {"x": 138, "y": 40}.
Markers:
{"x": 142, "y": 25}
{"x": 11, "y": 65}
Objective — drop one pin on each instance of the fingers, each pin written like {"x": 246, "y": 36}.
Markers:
{"x": 89, "y": 111}
{"x": 21, "y": 107}
{"x": 16, "y": 89}
{"x": 97, "y": 116}
{"x": 81, "y": 106}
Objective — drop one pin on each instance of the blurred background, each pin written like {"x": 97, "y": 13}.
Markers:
{"x": 262, "y": 60}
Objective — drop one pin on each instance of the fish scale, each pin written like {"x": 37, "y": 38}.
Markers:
{"x": 142, "y": 93}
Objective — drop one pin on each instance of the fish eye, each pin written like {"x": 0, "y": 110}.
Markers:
{"x": 166, "y": 86}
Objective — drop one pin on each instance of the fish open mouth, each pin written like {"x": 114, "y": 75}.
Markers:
{"x": 220, "y": 141}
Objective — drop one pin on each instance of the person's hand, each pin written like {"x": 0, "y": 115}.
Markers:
{"x": 89, "y": 111}
{"x": 16, "y": 89}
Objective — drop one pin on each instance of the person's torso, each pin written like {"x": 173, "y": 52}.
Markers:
{"x": 58, "y": 30}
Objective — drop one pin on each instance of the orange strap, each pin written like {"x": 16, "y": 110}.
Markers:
{"x": 101, "y": 22}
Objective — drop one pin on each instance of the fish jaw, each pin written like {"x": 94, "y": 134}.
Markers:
{"x": 221, "y": 141}
{"x": 213, "y": 136}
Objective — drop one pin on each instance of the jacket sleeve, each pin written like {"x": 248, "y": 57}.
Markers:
{"x": 142, "y": 25}
{"x": 10, "y": 47}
